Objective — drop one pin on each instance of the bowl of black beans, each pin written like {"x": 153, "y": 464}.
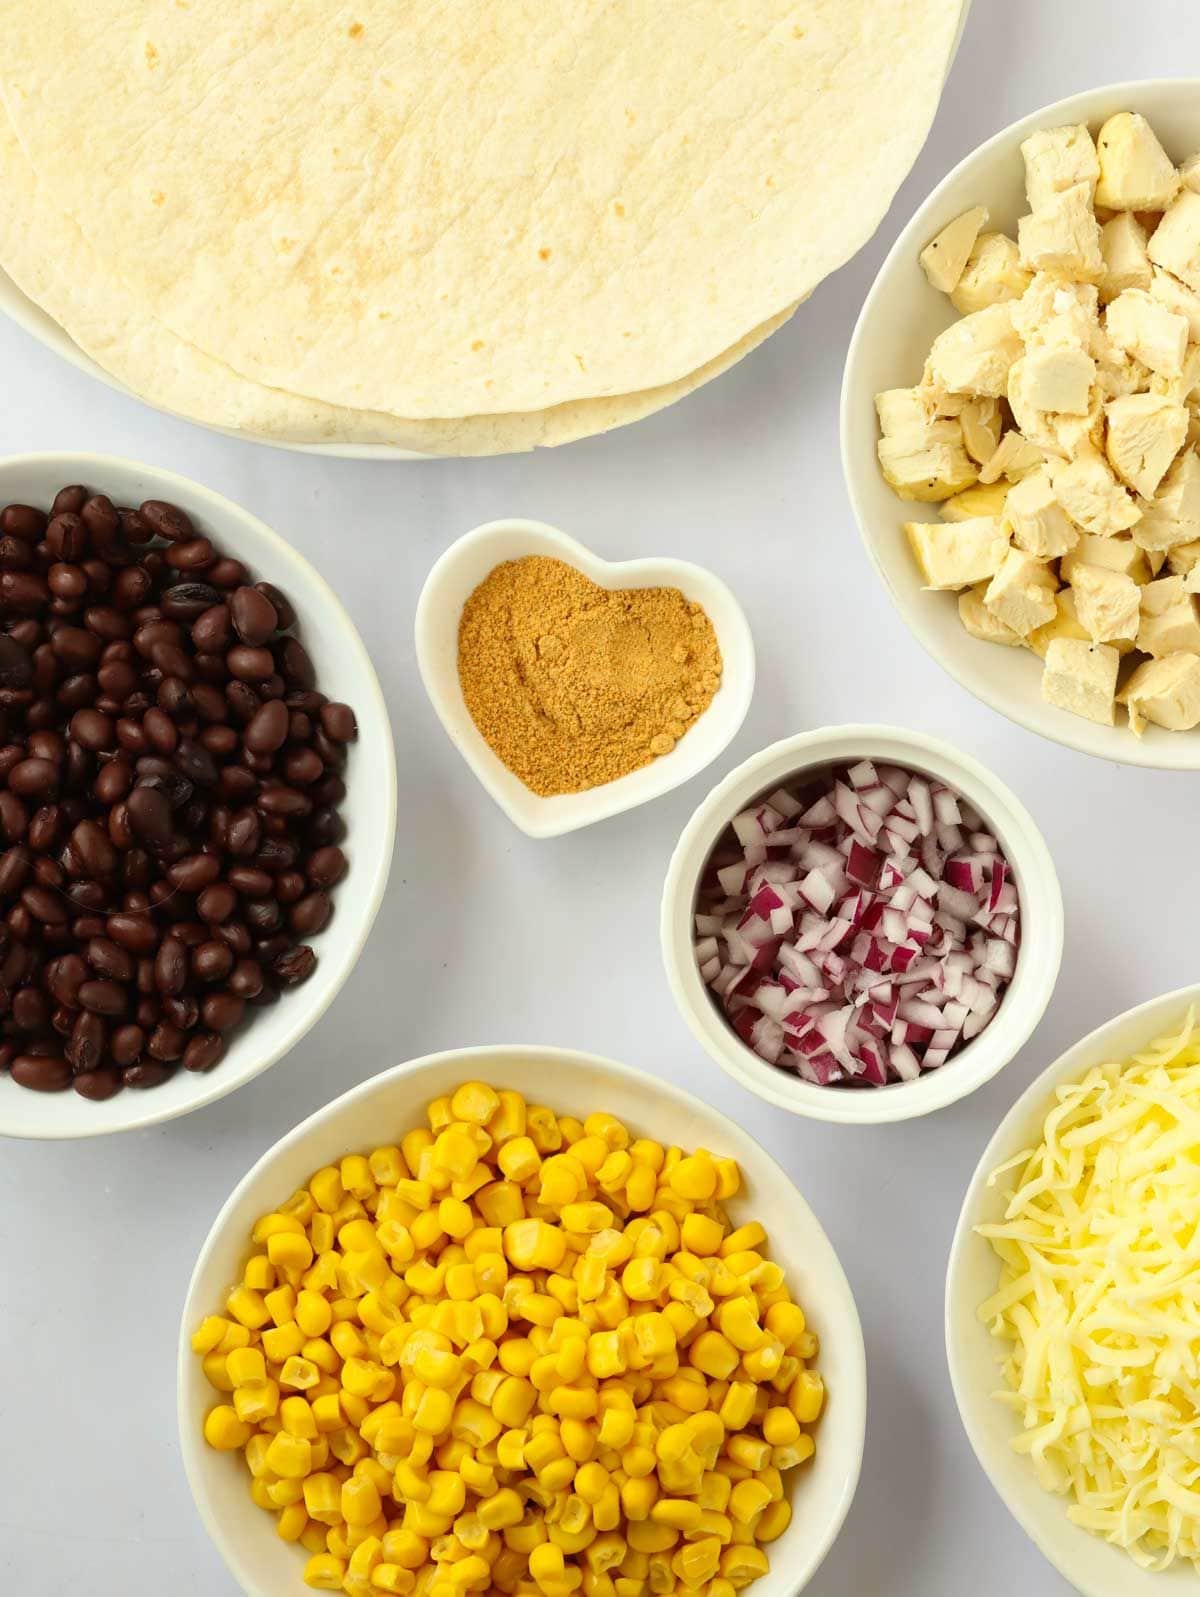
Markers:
{"x": 197, "y": 796}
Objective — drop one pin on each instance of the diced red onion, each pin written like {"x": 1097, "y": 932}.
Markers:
{"x": 860, "y": 929}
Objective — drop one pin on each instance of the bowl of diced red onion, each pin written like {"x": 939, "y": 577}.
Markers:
{"x": 862, "y": 924}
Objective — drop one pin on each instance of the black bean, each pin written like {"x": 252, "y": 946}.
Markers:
{"x": 167, "y": 520}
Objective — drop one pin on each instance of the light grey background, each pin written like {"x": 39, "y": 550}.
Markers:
{"x": 487, "y": 937}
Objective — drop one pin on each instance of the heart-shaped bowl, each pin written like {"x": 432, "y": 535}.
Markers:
{"x": 456, "y": 576}
{"x": 1092, "y": 1566}
{"x": 569, "y": 1083}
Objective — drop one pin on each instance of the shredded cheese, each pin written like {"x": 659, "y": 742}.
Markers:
{"x": 1099, "y": 1297}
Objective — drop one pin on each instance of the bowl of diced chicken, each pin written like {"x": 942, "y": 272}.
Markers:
{"x": 1021, "y": 423}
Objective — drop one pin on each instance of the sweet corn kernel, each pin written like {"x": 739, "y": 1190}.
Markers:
{"x": 289, "y": 1456}
{"x": 807, "y": 1397}
{"x": 694, "y": 1177}
{"x": 224, "y": 1430}
{"x": 324, "y": 1572}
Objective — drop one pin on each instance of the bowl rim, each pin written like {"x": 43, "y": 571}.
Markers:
{"x": 851, "y": 1339}
{"x": 540, "y": 817}
{"x": 899, "y": 1100}
{"x": 79, "y": 465}
{"x": 1150, "y": 754}
{"x": 1067, "y": 1066}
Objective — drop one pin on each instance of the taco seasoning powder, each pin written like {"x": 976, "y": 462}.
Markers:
{"x": 574, "y": 685}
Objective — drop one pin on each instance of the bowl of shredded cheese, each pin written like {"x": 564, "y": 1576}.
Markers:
{"x": 1073, "y": 1305}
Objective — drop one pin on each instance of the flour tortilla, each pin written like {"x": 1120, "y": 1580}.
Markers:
{"x": 446, "y": 208}
{"x": 52, "y": 264}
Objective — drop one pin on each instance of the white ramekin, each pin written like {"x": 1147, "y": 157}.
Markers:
{"x": 1092, "y": 1566}
{"x": 379, "y": 1111}
{"x": 1038, "y": 958}
{"x": 456, "y": 576}
{"x": 344, "y": 671}
{"x": 900, "y": 319}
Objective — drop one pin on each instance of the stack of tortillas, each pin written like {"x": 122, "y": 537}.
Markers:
{"x": 453, "y": 226}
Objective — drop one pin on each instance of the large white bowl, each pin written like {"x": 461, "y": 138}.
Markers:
{"x": 380, "y": 1110}
{"x": 344, "y": 671}
{"x": 1038, "y": 957}
{"x": 450, "y": 584}
{"x": 899, "y": 321}
{"x": 1090, "y": 1564}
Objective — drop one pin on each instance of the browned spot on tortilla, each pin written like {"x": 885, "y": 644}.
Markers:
{"x": 158, "y": 197}
{"x": 618, "y": 208}
{"x": 478, "y": 344}
{"x": 543, "y": 255}
{"x": 355, "y": 29}
{"x": 151, "y": 54}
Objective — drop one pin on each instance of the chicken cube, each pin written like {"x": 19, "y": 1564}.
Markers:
{"x": 1174, "y": 629}
{"x": 1091, "y": 495}
{"x": 927, "y": 464}
{"x": 957, "y": 554}
{"x": 1106, "y": 602}
{"x": 1057, "y": 159}
{"x": 1183, "y": 559}
{"x": 1063, "y": 235}
{"x": 1173, "y": 517}
{"x": 1126, "y": 263}
{"x": 978, "y": 500}
{"x": 1136, "y": 173}
{"x": 973, "y": 355}
{"x": 1050, "y": 378}
{"x": 1074, "y": 434}
{"x": 1185, "y": 302}
{"x": 1066, "y": 624}
{"x": 944, "y": 259}
{"x": 1036, "y": 520}
{"x": 1175, "y": 242}
{"x": 981, "y": 623}
{"x": 1145, "y": 433}
{"x": 1143, "y": 327}
{"x": 1053, "y": 312}
{"x": 1114, "y": 554}
{"x": 1166, "y": 692}
{"x": 1117, "y": 374}
{"x": 1021, "y": 594}
{"x": 993, "y": 275}
{"x": 1015, "y": 458}
{"x": 1082, "y": 677}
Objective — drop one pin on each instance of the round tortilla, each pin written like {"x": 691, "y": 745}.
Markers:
{"x": 51, "y": 262}
{"x": 448, "y": 208}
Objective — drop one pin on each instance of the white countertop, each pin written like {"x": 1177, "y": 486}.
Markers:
{"x": 487, "y": 937}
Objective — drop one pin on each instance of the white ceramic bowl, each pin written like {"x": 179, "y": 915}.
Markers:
{"x": 448, "y": 587}
{"x": 1090, "y": 1564}
{"x": 389, "y": 1104}
{"x": 344, "y": 671}
{"x": 1038, "y": 958}
{"x": 899, "y": 321}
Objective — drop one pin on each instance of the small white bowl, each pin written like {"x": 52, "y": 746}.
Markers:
{"x": 1091, "y": 1565}
{"x": 900, "y": 319}
{"x": 379, "y": 1111}
{"x": 456, "y": 576}
{"x": 1038, "y": 958}
{"x": 344, "y": 671}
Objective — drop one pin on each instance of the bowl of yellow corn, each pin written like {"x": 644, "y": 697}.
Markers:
{"x": 463, "y": 1331}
